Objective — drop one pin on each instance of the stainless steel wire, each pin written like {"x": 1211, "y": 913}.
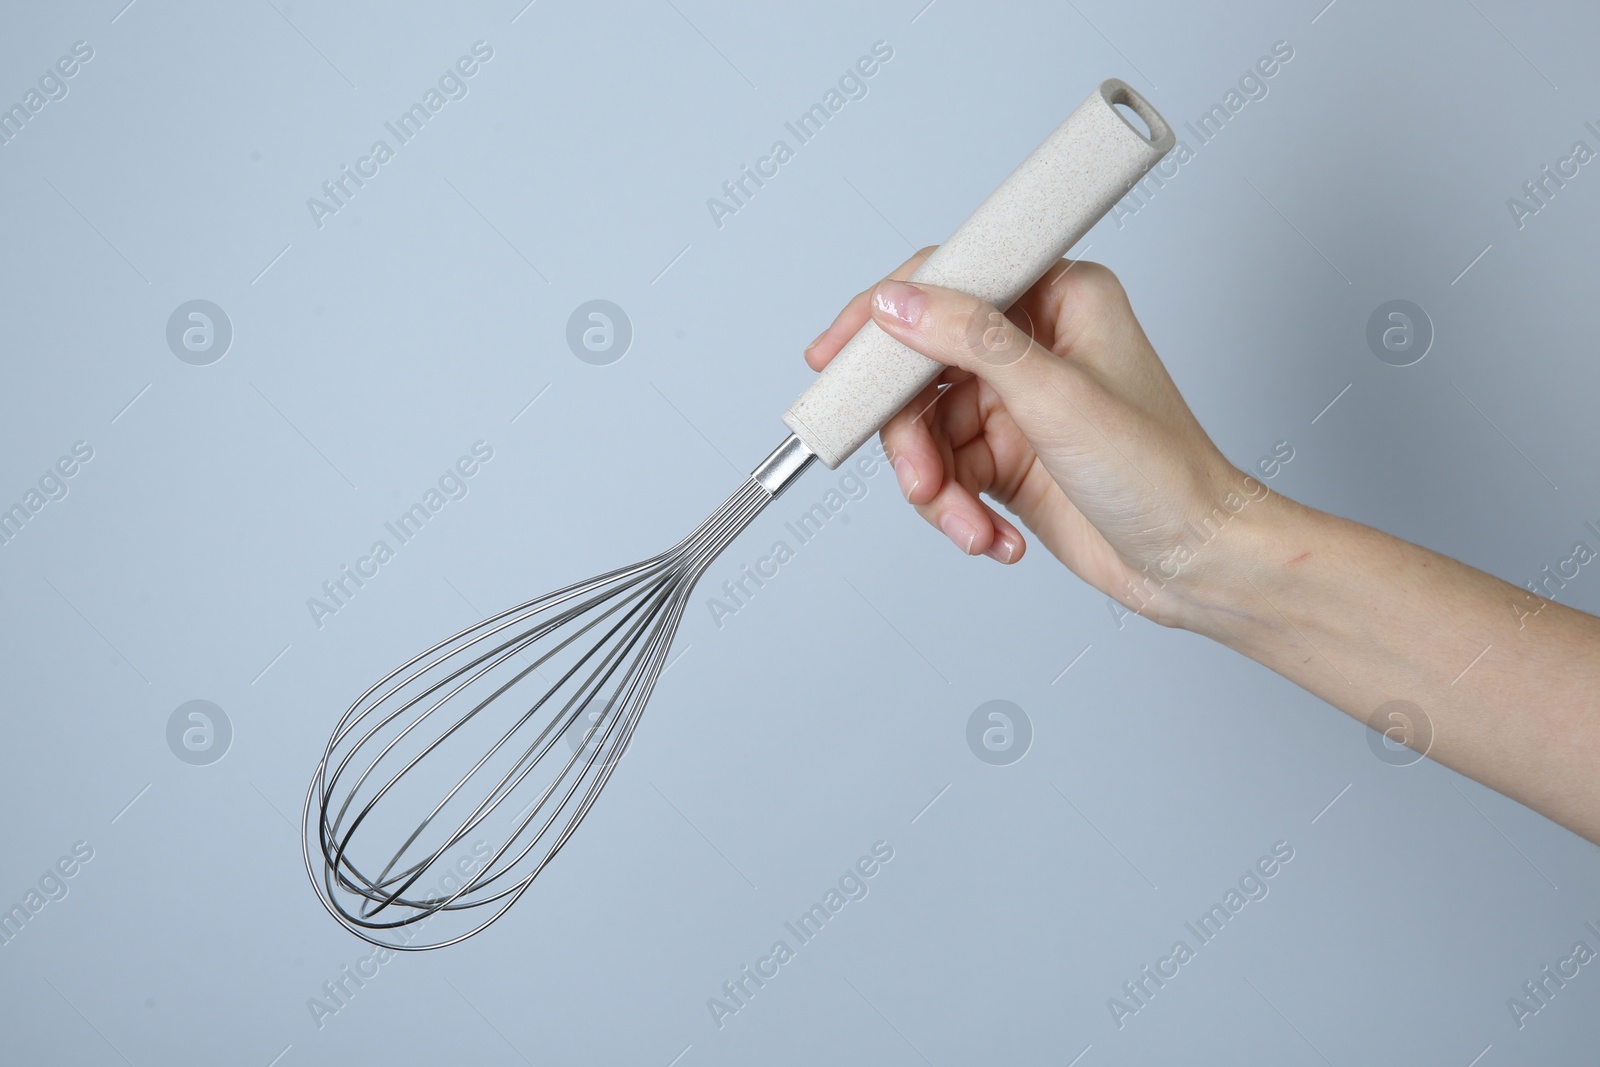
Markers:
{"x": 408, "y": 823}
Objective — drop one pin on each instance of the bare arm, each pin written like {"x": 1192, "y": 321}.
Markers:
{"x": 1509, "y": 682}
{"x": 1062, "y": 413}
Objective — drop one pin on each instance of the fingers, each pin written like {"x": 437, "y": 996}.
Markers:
{"x": 964, "y": 332}
{"x": 1074, "y": 321}
{"x": 943, "y": 464}
{"x": 971, "y": 525}
{"x": 920, "y": 461}
{"x": 1035, "y": 362}
{"x": 1036, "y": 359}
{"x": 854, "y": 315}
{"x": 1008, "y": 544}
{"x": 974, "y": 469}
{"x": 1080, "y": 311}
{"x": 909, "y": 443}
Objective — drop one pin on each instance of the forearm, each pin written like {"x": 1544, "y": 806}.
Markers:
{"x": 1510, "y": 683}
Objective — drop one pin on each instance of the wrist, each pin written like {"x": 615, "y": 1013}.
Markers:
{"x": 1241, "y": 565}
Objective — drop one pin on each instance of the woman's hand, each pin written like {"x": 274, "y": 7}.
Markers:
{"x": 1061, "y": 412}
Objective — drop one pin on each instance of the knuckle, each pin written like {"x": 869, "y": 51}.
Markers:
{"x": 985, "y": 336}
{"x": 894, "y": 433}
{"x": 958, "y": 332}
{"x": 1091, "y": 286}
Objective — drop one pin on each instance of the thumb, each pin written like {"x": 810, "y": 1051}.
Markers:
{"x": 962, "y": 331}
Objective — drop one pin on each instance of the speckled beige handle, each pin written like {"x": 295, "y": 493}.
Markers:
{"x": 1040, "y": 211}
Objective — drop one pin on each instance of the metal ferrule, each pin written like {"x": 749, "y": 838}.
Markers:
{"x": 783, "y": 466}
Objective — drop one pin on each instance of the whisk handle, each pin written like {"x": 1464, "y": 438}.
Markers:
{"x": 1026, "y": 225}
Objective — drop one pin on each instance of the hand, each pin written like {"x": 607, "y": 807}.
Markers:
{"x": 1061, "y": 412}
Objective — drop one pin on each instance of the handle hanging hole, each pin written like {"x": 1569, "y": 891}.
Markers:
{"x": 1132, "y": 117}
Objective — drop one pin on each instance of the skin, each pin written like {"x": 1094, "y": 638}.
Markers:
{"x": 1061, "y": 413}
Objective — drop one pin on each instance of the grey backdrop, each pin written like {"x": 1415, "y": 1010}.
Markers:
{"x": 831, "y": 712}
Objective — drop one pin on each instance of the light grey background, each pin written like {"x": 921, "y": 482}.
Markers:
{"x": 427, "y": 314}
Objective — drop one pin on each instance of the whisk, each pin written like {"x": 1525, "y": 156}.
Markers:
{"x": 451, "y": 783}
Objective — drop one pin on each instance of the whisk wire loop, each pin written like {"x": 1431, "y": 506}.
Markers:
{"x": 465, "y": 729}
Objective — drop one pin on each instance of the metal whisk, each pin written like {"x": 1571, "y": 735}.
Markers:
{"x": 482, "y": 700}
{"x": 450, "y": 784}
